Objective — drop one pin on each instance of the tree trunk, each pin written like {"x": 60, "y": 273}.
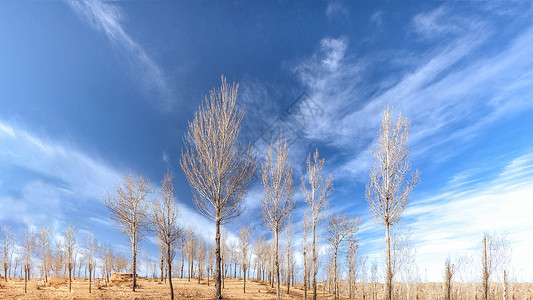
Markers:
{"x": 70, "y": 277}
{"x": 90, "y": 270}
{"x": 314, "y": 262}
{"x": 288, "y": 272}
{"x": 134, "y": 261}
{"x": 505, "y": 285}
{"x": 244, "y": 281}
{"x": 162, "y": 268}
{"x": 218, "y": 290}
{"x": 335, "y": 275}
{"x": 25, "y": 279}
{"x": 276, "y": 258}
{"x": 169, "y": 267}
{"x": 485, "y": 271}
{"x": 388, "y": 281}
{"x": 305, "y": 273}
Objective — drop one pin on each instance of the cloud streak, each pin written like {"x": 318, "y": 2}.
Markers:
{"x": 108, "y": 19}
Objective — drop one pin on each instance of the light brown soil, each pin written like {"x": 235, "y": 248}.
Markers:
{"x": 57, "y": 288}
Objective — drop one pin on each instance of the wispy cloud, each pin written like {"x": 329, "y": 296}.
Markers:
{"x": 108, "y": 18}
{"x": 336, "y": 9}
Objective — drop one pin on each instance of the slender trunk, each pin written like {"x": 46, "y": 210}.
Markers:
{"x": 134, "y": 261}
{"x": 162, "y": 268}
{"x": 276, "y": 258}
{"x": 244, "y": 273}
{"x": 25, "y": 279}
{"x": 388, "y": 281}
{"x": 305, "y": 273}
{"x": 218, "y": 282}
{"x": 314, "y": 262}
{"x": 5, "y": 272}
{"x": 169, "y": 267}
{"x": 335, "y": 275}
{"x": 505, "y": 288}
{"x": 485, "y": 271}
{"x": 69, "y": 277}
{"x": 90, "y": 270}
{"x": 288, "y": 271}
{"x": 182, "y": 259}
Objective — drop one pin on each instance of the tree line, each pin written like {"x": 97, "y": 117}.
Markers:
{"x": 219, "y": 170}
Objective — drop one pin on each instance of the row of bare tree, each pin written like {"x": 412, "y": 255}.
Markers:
{"x": 219, "y": 170}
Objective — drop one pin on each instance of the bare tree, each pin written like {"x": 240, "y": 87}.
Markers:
{"x": 245, "y": 235}
{"x": 215, "y": 165}
{"x": 44, "y": 251}
{"x": 210, "y": 256}
{"x": 107, "y": 257}
{"x": 389, "y": 187}
{"x": 7, "y": 250}
{"x": 494, "y": 255}
{"x": 200, "y": 256}
{"x": 320, "y": 188}
{"x": 29, "y": 245}
{"x": 449, "y": 271}
{"x": 352, "y": 264}
{"x": 129, "y": 209}
{"x": 70, "y": 245}
{"x": 278, "y": 196}
{"x": 165, "y": 221}
{"x": 191, "y": 247}
{"x": 289, "y": 236}
{"x": 340, "y": 228}
{"x": 90, "y": 247}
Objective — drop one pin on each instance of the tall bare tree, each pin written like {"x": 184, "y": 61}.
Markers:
{"x": 494, "y": 255}
{"x": 200, "y": 256}
{"x": 29, "y": 245}
{"x": 165, "y": 221}
{"x": 245, "y": 243}
{"x": 278, "y": 195}
{"x": 90, "y": 248}
{"x": 44, "y": 251}
{"x": 7, "y": 250}
{"x": 216, "y": 166}
{"x": 320, "y": 188}
{"x": 340, "y": 229}
{"x": 129, "y": 208}
{"x": 70, "y": 245}
{"x": 389, "y": 188}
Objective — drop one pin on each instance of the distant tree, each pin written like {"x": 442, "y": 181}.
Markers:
{"x": 107, "y": 257}
{"x": 389, "y": 187}
{"x": 289, "y": 236}
{"x": 129, "y": 209}
{"x": 278, "y": 196}
{"x": 245, "y": 235}
{"x": 90, "y": 248}
{"x": 340, "y": 228}
{"x": 191, "y": 247}
{"x": 44, "y": 251}
{"x": 320, "y": 188}
{"x": 352, "y": 264}
{"x": 29, "y": 245}
{"x": 200, "y": 256}
{"x": 7, "y": 250}
{"x": 374, "y": 277}
{"x": 210, "y": 256}
{"x": 449, "y": 271}
{"x": 215, "y": 165}
{"x": 165, "y": 220}
{"x": 70, "y": 244}
{"x": 304, "y": 233}
{"x": 495, "y": 254}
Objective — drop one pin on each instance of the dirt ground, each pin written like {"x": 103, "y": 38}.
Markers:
{"x": 147, "y": 289}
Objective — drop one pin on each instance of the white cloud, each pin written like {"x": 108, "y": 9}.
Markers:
{"x": 108, "y": 18}
{"x": 336, "y": 8}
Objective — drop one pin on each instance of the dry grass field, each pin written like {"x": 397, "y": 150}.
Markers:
{"x": 57, "y": 288}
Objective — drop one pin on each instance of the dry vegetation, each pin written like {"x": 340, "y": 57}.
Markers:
{"x": 57, "y": 288}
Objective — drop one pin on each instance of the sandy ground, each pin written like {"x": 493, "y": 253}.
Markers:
{"x": 57, "y": 288}
{"x": 148, "y": 289}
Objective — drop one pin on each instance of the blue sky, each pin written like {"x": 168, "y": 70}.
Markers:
{"x": 90, "y": 89}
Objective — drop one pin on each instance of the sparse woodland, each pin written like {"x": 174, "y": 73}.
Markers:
{"x": 291, "y": 263}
